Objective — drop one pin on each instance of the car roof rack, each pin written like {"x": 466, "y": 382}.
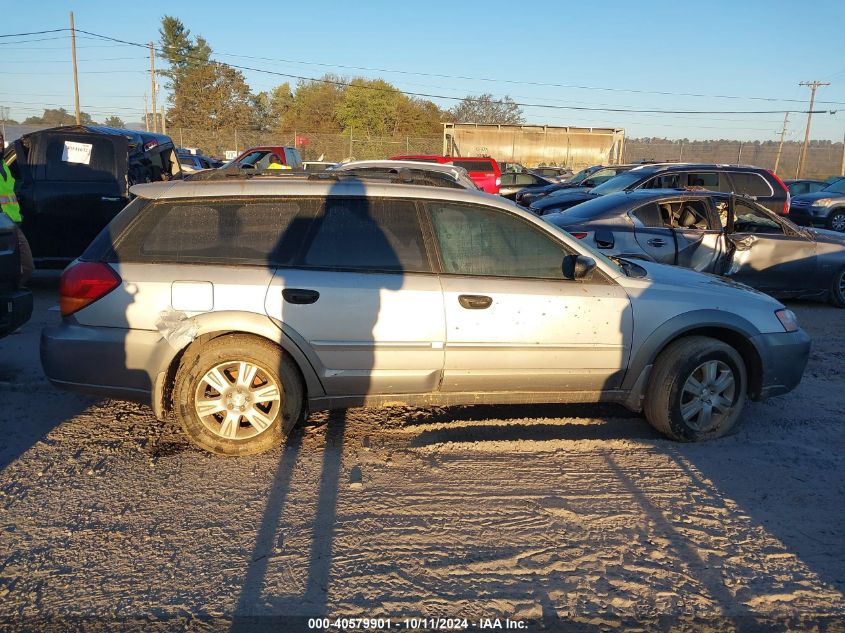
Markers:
{"x": 403, "y": 176}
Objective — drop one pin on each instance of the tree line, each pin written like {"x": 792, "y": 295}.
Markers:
{"x": 209, "y": 95}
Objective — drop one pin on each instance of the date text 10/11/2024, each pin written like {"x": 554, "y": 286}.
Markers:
{"x": 436, "y": 624}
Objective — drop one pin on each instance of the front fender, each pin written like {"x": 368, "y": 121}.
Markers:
{"x": 704, "y": 321}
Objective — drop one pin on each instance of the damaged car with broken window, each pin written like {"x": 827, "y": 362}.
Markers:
{"x": 71, "y": 181}
{"x": 726, "y": 234}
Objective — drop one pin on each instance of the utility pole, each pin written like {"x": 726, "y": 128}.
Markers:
{"x": 146, "y": 114}
{"x": 75, "y": 75}
{"x": 780, "y": 145}
{"x": 350, "y": 142}
{"x": 812, "y": 85}
{"x": 842, "y": 168}
{"x": 153, "y": 87}
{"x": 163, "y": 122}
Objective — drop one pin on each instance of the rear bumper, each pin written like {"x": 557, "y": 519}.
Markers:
{"x": 15, "y": 309}
{"x": 784, "y": 356}
{"x": 111, "y": 362}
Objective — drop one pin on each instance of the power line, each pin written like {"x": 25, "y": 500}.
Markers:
{"x": 34, "y": 33}
{"x": 450, "y": 98}
{"x": 466, "y": 77}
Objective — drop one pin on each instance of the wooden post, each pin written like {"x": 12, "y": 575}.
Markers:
{"x": 153, "y": 87}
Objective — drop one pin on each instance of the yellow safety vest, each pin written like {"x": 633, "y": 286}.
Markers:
{"x": 8, "y": 199}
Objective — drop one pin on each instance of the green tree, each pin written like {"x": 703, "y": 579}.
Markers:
{"x": 114, "y": 121}
{"x": 315, "y": 106}
{"x": 485, "y": 109}
{"x": 182, "y": 53}
{"x": 369, "y": 106}
{"x": 59, "y": 116}
{"x": 212, "y": 97}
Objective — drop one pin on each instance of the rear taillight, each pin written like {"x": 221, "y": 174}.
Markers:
{"x": 84, "y": 283}
{"x": 580, "y": 236}
{"x": 785, "y": 190}
{"x": 498, "y": 181}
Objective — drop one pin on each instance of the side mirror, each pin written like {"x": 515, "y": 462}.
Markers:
{"x": 604, "y": 238}
{"x": 588, "y": 183}
{"x": 246, "y": 166}
{"x": 578, "y": 267}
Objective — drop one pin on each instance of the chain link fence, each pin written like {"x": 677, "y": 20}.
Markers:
{"x": 823, "y": 159}
{"x": 313, "y": 146}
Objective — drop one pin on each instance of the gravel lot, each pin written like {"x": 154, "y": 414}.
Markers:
{"x": 566, "y": 517}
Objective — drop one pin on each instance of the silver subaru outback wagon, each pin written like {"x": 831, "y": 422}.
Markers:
{"x": 241, "y": 305}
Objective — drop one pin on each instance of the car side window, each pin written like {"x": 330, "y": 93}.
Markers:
{"x": 482, "y": 241}
{"x": 749, "y": 219}
{"x": 293, "y": 158}
{"x": 367, "y": 234}
{"x": 508, "y": 179}
{"x": 751, "y": 184}
{"x": 663, "y": 181}
{"x": 526, "y": 180}
{"x": 711, "y": 180}
{"x": 252, "y": 158}
{"x": 207, "y": 231}
{"x": 649, "y": 215}
{"x": 685, "y": 214}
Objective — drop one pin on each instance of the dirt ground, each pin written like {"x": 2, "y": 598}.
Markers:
{"x": 571, "y": 518}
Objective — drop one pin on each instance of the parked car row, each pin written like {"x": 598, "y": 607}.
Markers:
{"x": 216, "y": 297}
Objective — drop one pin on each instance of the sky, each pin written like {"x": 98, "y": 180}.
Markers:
{"x": 612, "y": 54}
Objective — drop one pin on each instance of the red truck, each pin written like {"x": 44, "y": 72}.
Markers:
{"x": 484, "y": 171}
{"x": 259, "y": 157}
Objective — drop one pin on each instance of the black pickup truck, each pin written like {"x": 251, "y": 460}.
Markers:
{"x": 72, "y": 180}
{"x": 15, "y": 302}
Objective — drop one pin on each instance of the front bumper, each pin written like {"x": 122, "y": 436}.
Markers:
{"x": 808, "y": 215}
{"x": 15, "y": 309}
{"x": 784, "y": 356}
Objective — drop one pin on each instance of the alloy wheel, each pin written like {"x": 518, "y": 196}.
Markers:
{"x": 237, "y": 400}
{"x": 708, "y": 395}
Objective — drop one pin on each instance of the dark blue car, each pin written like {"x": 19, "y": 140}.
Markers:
{"x": 823, "y": 208}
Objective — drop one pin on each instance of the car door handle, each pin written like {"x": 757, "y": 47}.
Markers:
{"x": 657, "y": 241}
{"x": 300, "y": 295}
{"x": 475, "y": 302}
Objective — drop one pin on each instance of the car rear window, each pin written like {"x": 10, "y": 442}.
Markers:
{"x": 751, "y": 184}
{"x": 474, "y": 165}
{"x": 253, "y": 232}
{"x": 97, "y": 163}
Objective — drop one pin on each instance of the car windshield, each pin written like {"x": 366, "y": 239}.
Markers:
{"x": 836, "y": 187}
{"x": 617, "y": 183}
{"x": 581, "y": 175}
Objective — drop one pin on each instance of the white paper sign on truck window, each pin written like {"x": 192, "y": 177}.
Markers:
{"x": 77, "y": 153}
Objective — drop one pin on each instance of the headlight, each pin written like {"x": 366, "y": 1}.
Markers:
{"x": 787, "y": 319}
{"x": 823, "y": 202}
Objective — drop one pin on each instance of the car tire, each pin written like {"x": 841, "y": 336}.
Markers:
{"x": 692, "y": 376}
{"x": 836, "y": 220}
{"x": 238, "y": 395}
{"x": 837, "y": 288}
